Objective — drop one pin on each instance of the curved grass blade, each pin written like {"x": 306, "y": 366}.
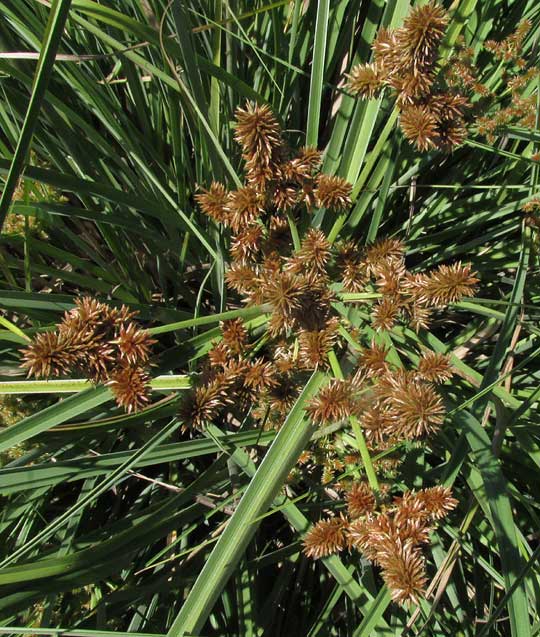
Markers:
{"x": 317, "y": 73}
{"x": 264, "y": 487}
{"x": 53, "y": 35}
{"x": 69, "y": 408}
{"x": 105, "y": 484}
{"x": 498, "y": 501}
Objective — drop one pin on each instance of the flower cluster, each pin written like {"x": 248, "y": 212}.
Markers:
{"x": 277, "y": 181}
{"x": 392, "y": 404}
{"x": 299, "y": 287}
{"x": 255, "y": 376}
{"x": 101, "y": 343}
{"x": 521, "y": 105}
{"x": 404, "y": 295}
{"x": 405, "y": 59}
{"x": 389, "y": 535}
{"x": 531, "y": 210}
{"x": 437, "y": 97}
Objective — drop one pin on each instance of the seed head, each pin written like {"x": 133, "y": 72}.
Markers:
{"x": 133, "y": 344}
{"x": 213, "y": 202}
{"x": 366, "y": 80}
{"x": 333, "y": 192}
{"x": 326, "y": 537}
{"x": 332, "y": 404}
{"x": 130, "y": 386}
{"x": 360, "y": 500}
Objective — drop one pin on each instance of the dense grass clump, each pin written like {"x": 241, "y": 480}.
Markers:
{"x": 269, "y": 338}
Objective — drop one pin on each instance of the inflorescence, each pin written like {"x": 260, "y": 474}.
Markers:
{"x": 101, "y": 343}
{"x": 301, "y": 285}
{"x": 390, "y": 535}
{"x": 299, "y": 288}
{"x": 441, "y": 98}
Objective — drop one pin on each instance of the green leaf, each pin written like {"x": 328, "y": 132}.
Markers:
{"x": 66, "y": 409}
{"x": 51, "y": 43}
{"x": 268, "y": 480}
{"x": 317, "y": 73}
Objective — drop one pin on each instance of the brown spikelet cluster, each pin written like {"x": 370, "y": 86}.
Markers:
{"x": 101, "y": 343}
{"x": 440, "y": 99}
{"x": 391, "y": 404}
{"x": 277, "y": 182}
{"x": 326, "y": 537}
{"x": 295, "y": 284}
{"x": 405, "y": 296}
{"x": 531, "y": 210}
{"x": 265, "y": 269}
{"x": 390, "y": 535}
{"x": 255, "y": 376}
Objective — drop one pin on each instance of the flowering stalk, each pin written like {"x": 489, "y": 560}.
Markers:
{"x": 357, "y": 430}
{"x": 74, "y": 385}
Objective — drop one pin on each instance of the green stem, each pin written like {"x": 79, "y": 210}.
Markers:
{"x": 294, "y": 232}
{"x": 13, "y": 328}
{"x": 245, "y": 313}
{"x": 364, "y": 454}
{"x": 357, "y": 430}
{"x": 351, "y": 297}
{"x": 74, "y": 385}
{"x": 336, "y": 228}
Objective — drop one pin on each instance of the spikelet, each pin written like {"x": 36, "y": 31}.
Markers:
{"x": 283, "y": 395}
{"x": 326, "y": 537}
{"x": 389, "y": 276}
{"x": 434, "y": 367}
{"x": 437, "y": 501}
{"x": 360, "y": 500}
{"x": 130, "y": 387}
{"x": 285, "y": 196}
{"x": 366, "y": 80}
{"x": 246, "y": 245}
{"x": 419, "y": 126}
{"x": 49, "y": 354}
{"x": 376, "y": 421}
{"x": 201, "y": 406}
{"x": 283, "y": 291}
{"x": 404, "y": 572}
{"x": 449, "y": 284}
{"x": 307, "y": 162}
{"x": 385, "y": 51}
{"x": 260, "y": 374}
{"x": 133, "y": 344}
{"x": 219, "y": 355}
{"x": 382, "y": 252}
{"x": 422, "y": 32}
{"x": 419, "y": 315}
{"x": 354, "y": 277}
{"x": 241, "y": 278}
{"x": 333, "y": 403}
{"x": 385, "y": 313}
{"x": 244, "y": 206}
{"x": 213, "y": 202}
{"x": 234, "y": 335}
{"x": 414, "y": 406}
{"x": 333, "y": 192}
{"x": 372, "y": 360}
{"x": 259, "y": 134}
{"x": 510, "y": 48}
{"x": 314, "y": 345}
{"x": 314, "y": 253}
